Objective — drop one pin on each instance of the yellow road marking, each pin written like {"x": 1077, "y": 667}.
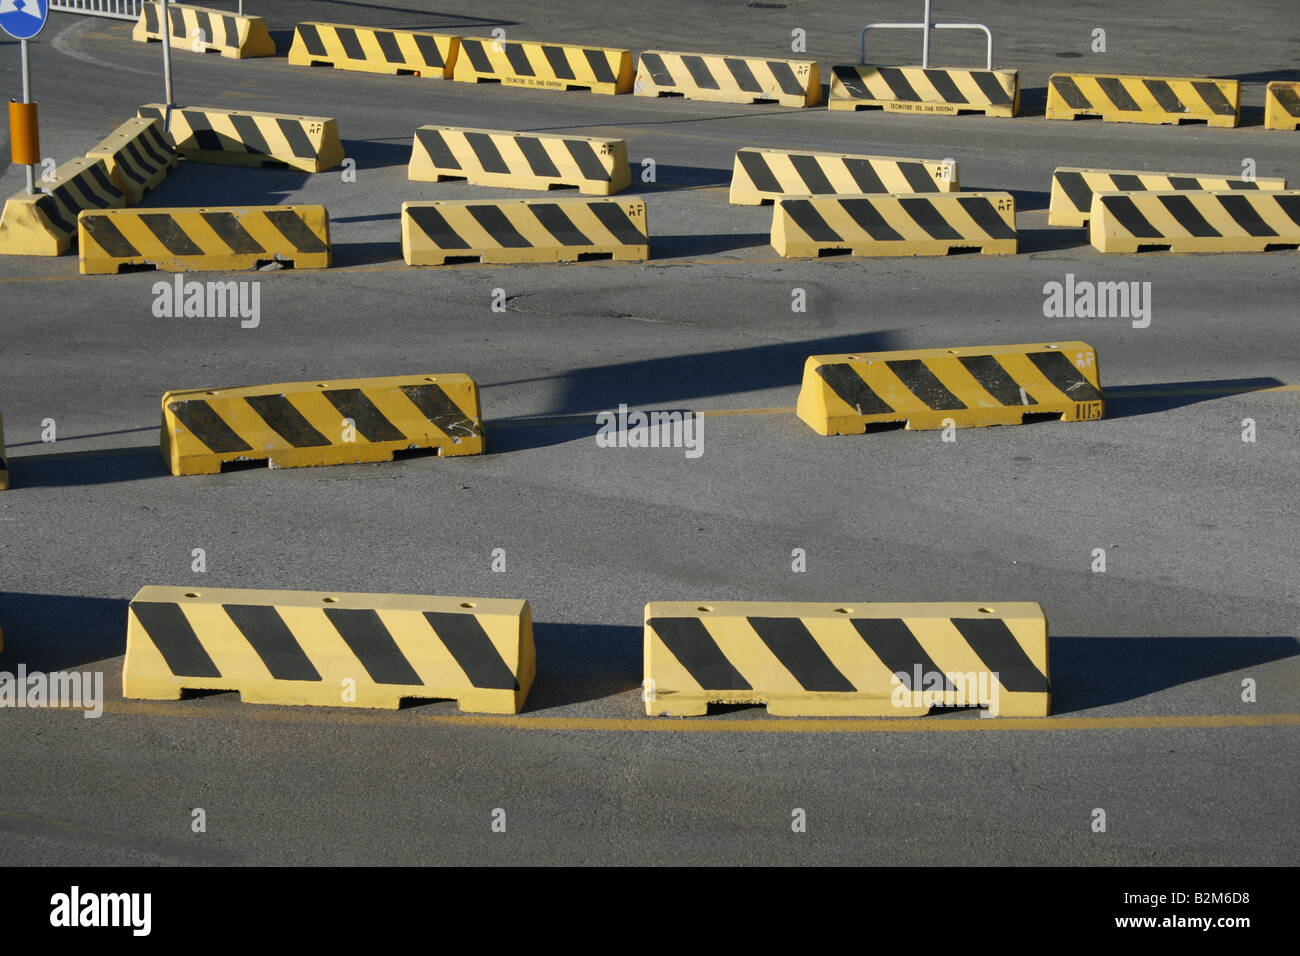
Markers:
{"x": 759, "y": 725}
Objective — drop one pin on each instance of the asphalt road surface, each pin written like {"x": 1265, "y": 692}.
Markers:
{"x": 1148, "y": 658}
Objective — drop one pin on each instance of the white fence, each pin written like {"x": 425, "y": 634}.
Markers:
{"x": 118, "y": 9}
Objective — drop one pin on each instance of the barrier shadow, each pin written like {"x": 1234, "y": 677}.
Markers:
{"x": 691, "y": 246}
{"x": 669, "y": 178}
{"x": 1051, "y": 239}
{"x": 95, "y": 467}
{"x": 378, "y": 153}
{"x": 210, "y": 184}
{"x": 1027, "y": 200}
{"x": 365, "y": 253}
{"x": 1128, "y": 401}
{"x": 1090, "y": 672}
{"x": 1033, "y": 101}
{"x": 59, "y": 632}
{"x": 577, "y": 663}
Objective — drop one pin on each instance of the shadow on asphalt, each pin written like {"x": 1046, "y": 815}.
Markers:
{"x": 1125, "y": 401}
{"x": 94, "y": 467}
{"x": 1091, "y": 672}
{"x": 60, "y": 632}
{"x": 577, "y": 663}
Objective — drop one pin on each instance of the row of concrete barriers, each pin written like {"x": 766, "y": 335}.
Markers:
{"x": 721, "y": 77}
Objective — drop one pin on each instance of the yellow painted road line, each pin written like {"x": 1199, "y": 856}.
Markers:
{"x": 703, "y": 725}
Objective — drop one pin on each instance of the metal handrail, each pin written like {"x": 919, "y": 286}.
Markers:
{"x": 926, "y": 26}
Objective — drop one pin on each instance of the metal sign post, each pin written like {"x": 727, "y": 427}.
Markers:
{"x": 926, "y": 26}
{"x": 165, "y": 30}
{"x": 22, "y": 20}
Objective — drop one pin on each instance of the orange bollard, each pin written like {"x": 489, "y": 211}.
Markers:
{"x": 24, "y": 136}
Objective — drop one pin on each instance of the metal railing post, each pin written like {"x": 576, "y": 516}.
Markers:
{"x": 925, "y": 29}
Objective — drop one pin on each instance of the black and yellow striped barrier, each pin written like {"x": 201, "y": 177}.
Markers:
{"x": 524, "y": 230}
{"x": 329, "y": 649}
{"x": 914, "y": 89}
{"x": 1073, "y": 187}
{"x": 299, "y": 424}
{"x": 545, "y": 66}
{"x": 213, "y": 134}
{"x": 880, "y": 660}
{"x": 45, "y": 224}
{"x": 206, "y": 30}
{"x": 1214, "y": 220}
{"x": 373, "y": 50}
{"x": 203, "y": 238}
{"x": 137, "y": 156}
{"x": 959, "y": 387}
{"x": 4, "y": 462}
{"x": 1282, "y": 105}
{"x": 765, "y": 175}
{"x": 489, "y": 157}
{"x": 1143, "y": 99}
{"x": 916, "y": 224}
{"x": 728, "y": 79}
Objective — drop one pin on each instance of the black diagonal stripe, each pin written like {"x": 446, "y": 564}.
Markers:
{"x": 982, "y": 211}
{"x": 918, "y": 379}
{"x": 558, "y": 62}
{"x": 893, "y": 642}
{"x": 1288, "y": 98}
{"x": 207, "y": 426}
{"x": 274, "y": 643}
{"x": 1244, "y": 213}
{"x": 173, "y": 635}
{"x": 150, "y": 112}
{"x": 688, "y": 640}
{"x": 352, "y": 48}
{"x": 439, "y": 153}
{"x": 228, "y": 227}
{"x": 1165, "y": 96}
{"x": 701, "y": 76}
{"x": 367, "y": 638}
{"x": 1184, "y": 182}
{"x": 659, "y": 73}
{"x": 807, "y": 218}
{"x": 436, "y": 228}
{"x": 428, "y": 47}
{"x": 286, "y": 421}
{"x": 150, "y": 18}
{"x": 1214, "y": 98}
{"x": 519, "y": 60}
{"x": 486, "y": 152}
{"x": 1188, "y": 216}
{"x": 1232, "y": 184}
{"x": 135, "y": 165}
{"x": 209, "y": 36}
{"x": 868, "y": 217}
{"x": 201, "y": 132}
{"x": 294, "y": 228}
{"x": 918, "y": 177}
{"x": 437, "y": 406}
{"x": 620, "y": 224}
{"x": 498, "y": 226}
{"x": 250, "y": 134}
{"x": 925, "y": 214}
{"x": 994, "y": 379}
{"x": 1118, "y": 93}
{"x": 353, "y": 403}
{"x": 1289, "y": 205}
{"x": 311, "y": 39}
{"x": 993, "y": 90}
{"x": 176, "y": 22}
{"x": 852, "y": 81}
{"x": 995, "y": 645}
{"x": 852, "y": 390}
{"x": 785, "y": 78}
{"x": 600, "y": 66}
{"x": 465, "y": 640}
{"x": 155, "y": 146}
{"x": 897, "y": 83}
{"x": 1130, "y": 217}
{"x": 943, "y": 84}
{"x": 106, "y": 193}
{"x": 55, "y": 212}
{"x": 756, "y": 168}
{"x": 478, "y": 57}
{"x": 108, "y": 237}
{"x": 742, "y": 74}
{"x": 389, "y": 47}
{"x": 812, "y": 174}
{"x": 294, "y": 131}
{"x": 559, "y": 225}
{"x": 589, "y": 164}
{"x": 169, "y": 232}
{"x": 793, "y": 645}
{"x": 1126, "y": 182}
{"x": 865, "y": 175}
{"x": 1070, "y": 92}
{"x": 232, "y": 31}
{"x": 539, "y": 160}
{"x": 1060, "y": 371}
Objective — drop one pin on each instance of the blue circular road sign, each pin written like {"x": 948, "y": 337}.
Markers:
{"x": 23, "y": 19}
